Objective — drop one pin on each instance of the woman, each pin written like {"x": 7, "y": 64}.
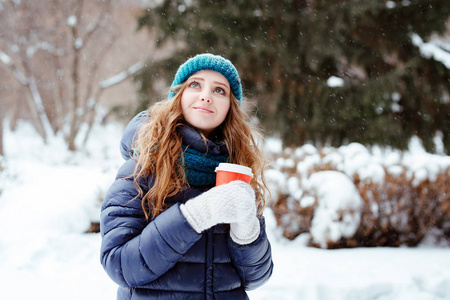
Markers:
{"x": 167, "y": 231}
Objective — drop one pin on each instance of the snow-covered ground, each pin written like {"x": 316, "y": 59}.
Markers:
{"x": 48, "y": 197}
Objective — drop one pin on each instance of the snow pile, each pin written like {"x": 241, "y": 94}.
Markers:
{"x": 338, "y": 212}
{"x": 48, "y": 199}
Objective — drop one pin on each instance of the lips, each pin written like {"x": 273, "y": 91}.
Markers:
{"x": 203, "y": 109}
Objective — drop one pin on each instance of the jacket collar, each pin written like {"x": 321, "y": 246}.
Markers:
{"x": 192, "y": 138}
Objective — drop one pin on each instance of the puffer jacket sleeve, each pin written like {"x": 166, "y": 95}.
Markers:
{"x": 135, "y": 252}
{"x": 254, "y": 261}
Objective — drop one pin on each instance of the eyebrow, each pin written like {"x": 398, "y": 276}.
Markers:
{"x": 216, "y": 82}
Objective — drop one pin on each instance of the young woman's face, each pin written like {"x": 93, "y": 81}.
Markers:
{"x": 206, "y": 100}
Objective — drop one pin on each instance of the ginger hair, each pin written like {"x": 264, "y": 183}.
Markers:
{"x": 159, "y": 146}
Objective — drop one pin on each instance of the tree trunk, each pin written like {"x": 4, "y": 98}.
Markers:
{"x": 36, "y": 104}
{"x": 39, "y": 106}
{"x": 74, "y": 120}
{"x": 75, "y": 104}
{"x": 14, "y": 116}
{"x": 35, "y": 115}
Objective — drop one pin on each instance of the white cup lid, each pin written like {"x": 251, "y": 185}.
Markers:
{"x": 234, "y": 168}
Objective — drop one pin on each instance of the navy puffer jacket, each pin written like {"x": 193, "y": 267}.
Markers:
{"x": 166, "y": 258}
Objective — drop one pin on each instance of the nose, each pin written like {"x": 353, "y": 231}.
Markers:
{"x": 206, "y": 96}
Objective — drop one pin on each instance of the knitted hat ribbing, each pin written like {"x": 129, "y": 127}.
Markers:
{"x": 211, "y": 62}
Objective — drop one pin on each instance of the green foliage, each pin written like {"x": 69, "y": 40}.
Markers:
{"x": 286, "y": 50}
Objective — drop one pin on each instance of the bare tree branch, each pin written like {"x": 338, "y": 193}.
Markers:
{"x": 100, "y": 19}
{"x": 105, "y": 84}
{"x": 94, "y": 67}
{"x": 48, "y": 48}
{"x": 118, "y": 78}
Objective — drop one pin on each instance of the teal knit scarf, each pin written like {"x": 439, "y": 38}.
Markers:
{"x": 200, "y": 167}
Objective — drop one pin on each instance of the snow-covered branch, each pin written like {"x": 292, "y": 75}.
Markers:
{"x": 46, "y": 47}
{"x": 92, "y": 27}
{"x": 9, "y": 63}
{"x": 431, "y": 49}
{"x": 4, "y": 58}
{"x": 118, "y": 78}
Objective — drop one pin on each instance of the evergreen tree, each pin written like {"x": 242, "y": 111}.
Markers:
{"x": 286, "y": 51}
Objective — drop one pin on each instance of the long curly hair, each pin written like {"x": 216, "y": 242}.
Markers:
{"x": 160, "y": 147}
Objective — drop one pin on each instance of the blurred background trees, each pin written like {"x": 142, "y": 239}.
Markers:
{"x": 326, "y": 72}
{"x": 323, "y": 72}
{"x": 54, "y": 62}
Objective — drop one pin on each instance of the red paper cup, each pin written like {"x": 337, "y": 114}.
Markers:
{"x": 230, "y": 172}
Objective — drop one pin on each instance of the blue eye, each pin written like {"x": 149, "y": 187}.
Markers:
{"x": 219, "y": 91}
{"x": 194, "y": 84}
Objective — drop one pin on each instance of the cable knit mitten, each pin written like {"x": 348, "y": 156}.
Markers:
{"x": 230, "y": 203}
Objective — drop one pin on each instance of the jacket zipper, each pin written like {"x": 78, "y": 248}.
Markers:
{"x": 209, "y": 265}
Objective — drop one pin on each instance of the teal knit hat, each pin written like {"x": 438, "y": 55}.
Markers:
{"x": 211, "y": 62}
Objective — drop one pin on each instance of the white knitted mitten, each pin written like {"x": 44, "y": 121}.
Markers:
{"x": 233, "y": 202}
{"x": 245, "y": 232}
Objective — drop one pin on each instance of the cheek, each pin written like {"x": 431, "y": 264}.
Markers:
{"x": 184, "y": 105}
{"x": 224, "y": 110}
{"x": 227, "y": 107}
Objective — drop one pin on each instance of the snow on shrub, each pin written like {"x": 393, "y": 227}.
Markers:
{"x": 352, "y": 196}
{"x": 338, "y": 212}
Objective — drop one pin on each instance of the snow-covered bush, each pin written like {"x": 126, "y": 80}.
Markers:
{"x": 352, "y": 196}
{"x": 402, "y": 211}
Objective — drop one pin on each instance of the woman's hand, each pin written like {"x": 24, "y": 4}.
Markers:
{"x": 232, "y": 203}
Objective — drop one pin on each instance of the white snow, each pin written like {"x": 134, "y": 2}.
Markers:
{"x": 155, "y": 3}
{"x": 302, "y": 272}
{"x": 48, "y": 197}
{"x": 4, "y": 58}
{"x": 431, "y": 49}
{"x": 72, "y": 21}
{"x": 78, "y": 43}
{"x": 390, "y": 4}
{"x": 273, "y": 145}
{"x": 118, "y": 78}
{"x": 337, "y": 194}
{"x": 334, "y": 81}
